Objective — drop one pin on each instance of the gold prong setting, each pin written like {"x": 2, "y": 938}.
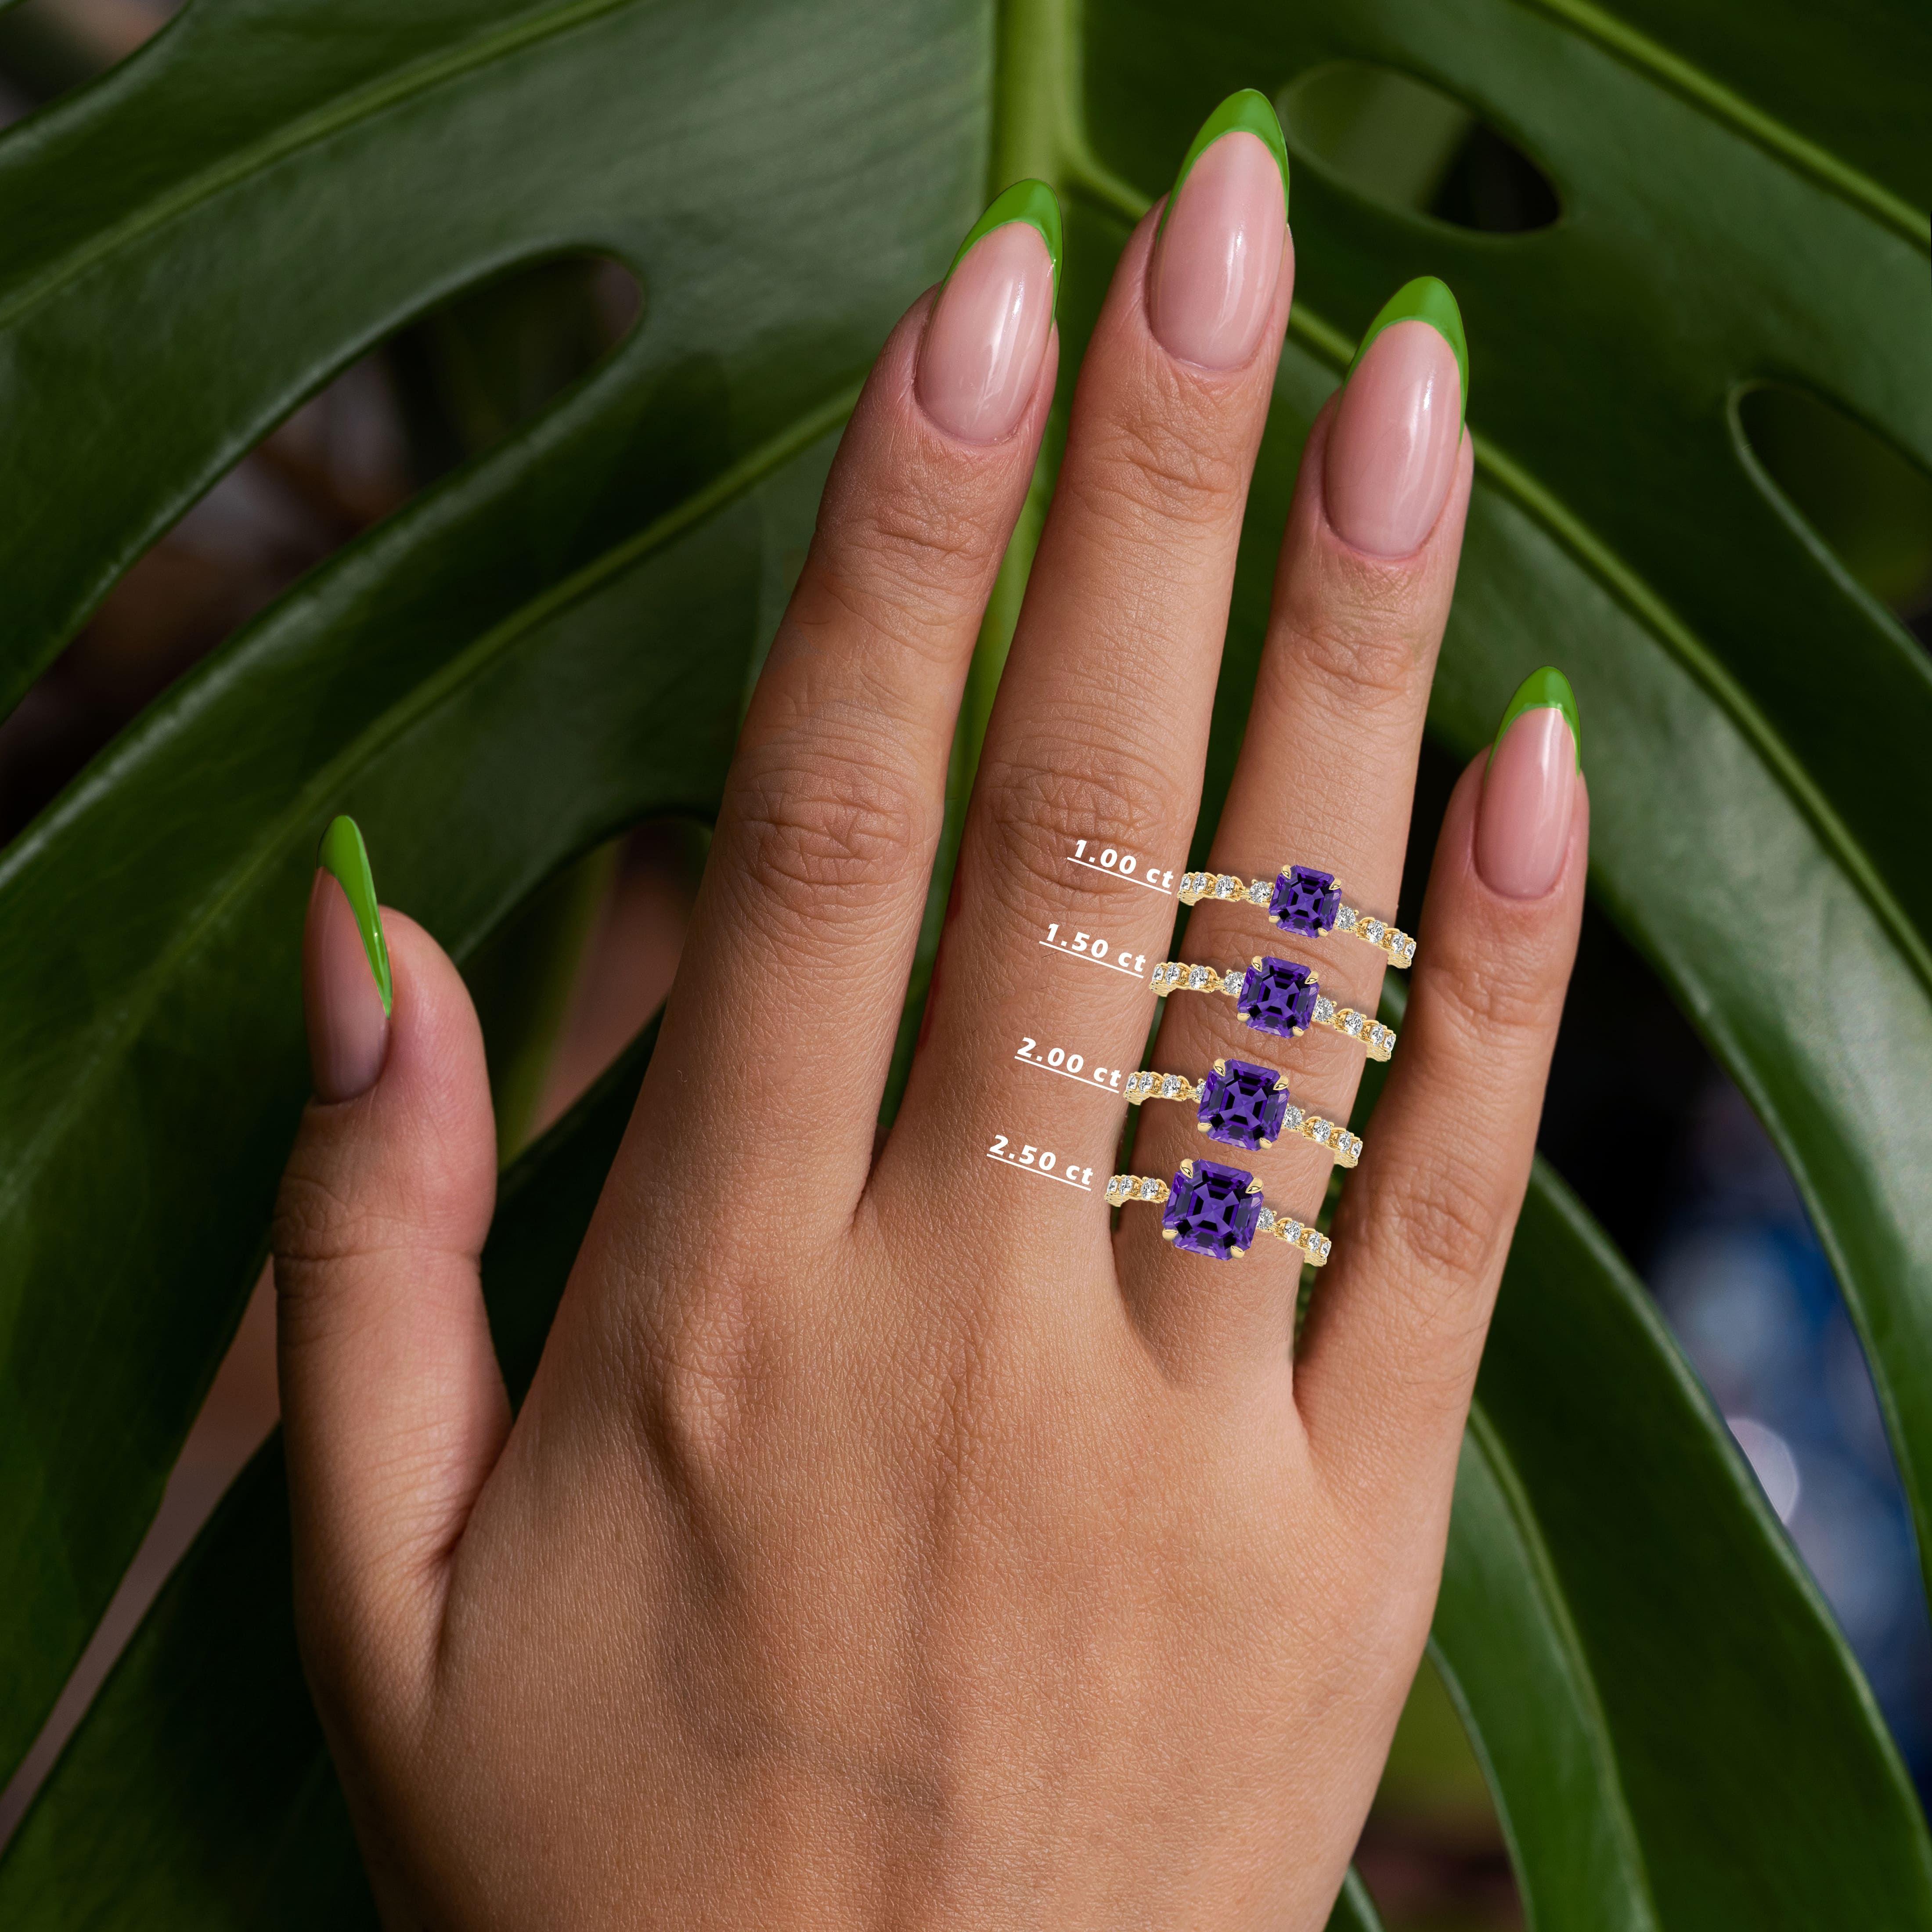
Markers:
{"x": 1178, "y": 976}
{"x": 1395, "y": 945}
{"x": 1346, "y": 1146}
{"x": 1123, "y": 1189}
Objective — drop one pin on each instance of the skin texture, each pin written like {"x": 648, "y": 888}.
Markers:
{"x": 887, "y": 1541}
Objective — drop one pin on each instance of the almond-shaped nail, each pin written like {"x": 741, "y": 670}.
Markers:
{"x": 1217, "y": 254}
{"x": 347, "y": 987}
{"x": 1529, "y": 788}
{"x": 1392, "y": 448}
{"x": 981, "y": 355}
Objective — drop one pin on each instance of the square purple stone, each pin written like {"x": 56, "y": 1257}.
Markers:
{"x": 1277, "y": 996}
{"x": 1243, "y": 1104}
{"x": 1305, "y": 901}
{"x": 1213, "y": 1214}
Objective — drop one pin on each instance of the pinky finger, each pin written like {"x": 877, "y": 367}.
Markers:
{"x": 1383, "y": 1374}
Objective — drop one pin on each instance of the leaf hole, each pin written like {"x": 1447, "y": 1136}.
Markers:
{"x": 444, "y": 388}
{"x": 1866, "y": 501}
{"x": 1399, "y": 141}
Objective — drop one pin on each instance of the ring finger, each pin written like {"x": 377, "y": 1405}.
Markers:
{"x": 1324, "y": 782}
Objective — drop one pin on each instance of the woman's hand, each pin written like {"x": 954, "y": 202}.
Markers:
{"x": 887, "y": 1540}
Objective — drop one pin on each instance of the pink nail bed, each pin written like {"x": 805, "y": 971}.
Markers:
{"x": 1391, "y": 454}
{"x": 1212, "y": 281}
{"x": 348, "y": 1031}
{"x": 1523, "y": 824}
{"x": 981, "y": 356}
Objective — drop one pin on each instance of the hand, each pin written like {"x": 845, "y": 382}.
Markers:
{"x": 885, "y": 1540}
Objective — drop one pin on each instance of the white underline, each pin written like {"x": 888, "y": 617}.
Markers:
{"x": 1054, "y": 945}
{"x": 1045, "y": 1174}
{"x": 1132, "y": 878}
{"x": 1028, "y": 1060}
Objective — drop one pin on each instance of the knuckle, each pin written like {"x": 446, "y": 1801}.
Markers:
{"x": 1496, "y": 997}
{"x": 831, "y": 835}
{"x": 1447, "y": 1223}
{"x": 1363, "y": 646}
{"x": 1163, "y": 467}
{"x": 1034, "y": 808}
{"x": 706, "y": 1363}
{"x": 906, "y": 559}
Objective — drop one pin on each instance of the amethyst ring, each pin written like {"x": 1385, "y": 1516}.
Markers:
{"x": 1282, "y": 997}
{"x": 1245, "y": 1106}
{"x": 1216, "y": 1211}
{"x": 1301, "y": 900}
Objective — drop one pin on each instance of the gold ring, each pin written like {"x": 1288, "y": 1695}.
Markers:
{"x": 1246, "y": 1106}
{"x": 1216, "y": 1211}
{"x": 1278, "y": 996}
{"x": 1300, "y": 899}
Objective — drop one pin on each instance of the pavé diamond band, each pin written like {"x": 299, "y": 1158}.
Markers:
{"x": 1282, "y": 997}
{"x": 1246, "y": 1106}
{"x": 1301, "y": 900}
{"x": 1216, "y": 1211}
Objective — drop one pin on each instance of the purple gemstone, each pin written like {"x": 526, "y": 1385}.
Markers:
{"x": 1243, "y": 1104}
{"x": 1213, "y": 1213}
{"x": 1277, "y": 996}
{"x": 1305, "y": 901}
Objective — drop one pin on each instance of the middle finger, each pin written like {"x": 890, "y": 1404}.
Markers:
{"x": 1090, "y": 780}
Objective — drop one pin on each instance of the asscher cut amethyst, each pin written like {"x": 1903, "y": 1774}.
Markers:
{"x": 1305, "y": 901}
{"x": 1277, "y": 996}
{"x": 1210, "y": 1212}
{"x": 1243, "y": 1104}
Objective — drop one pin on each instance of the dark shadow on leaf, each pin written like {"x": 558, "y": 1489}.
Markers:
{"x": 446, "y": 388}
{"x": 1397, "y": 140}
{"x": 1869, "y": 505}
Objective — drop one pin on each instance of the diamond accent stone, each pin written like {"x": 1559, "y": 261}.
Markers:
{"x": 1353, "y": 1024}
{"x": 1227, "y": 888}
{"x": 1198, "y": 977}
{"x": 1150, "y": 1188}
{"x": 1372, "y": 932}
{"x": 1324, "y": 1011}
{"x": 1211, "y": 1213}
{"x": 1265, "y": 1222}
{"x": 1278, "y": 997}
{"x": 1172, "y": 1086}
{"x": 1242, "y": 1105}
{"x": 1305, "y": 901}
{"x": 1258, "y": 892}
{"x": 1291, "y": 1120}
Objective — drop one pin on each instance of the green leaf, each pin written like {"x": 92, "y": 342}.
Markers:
{"x": 1675, "y": 1730}
{"x": 1355, "y": 1910}
{"x": 556, "y": 642}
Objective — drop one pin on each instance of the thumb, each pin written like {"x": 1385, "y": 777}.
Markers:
{"x": 393, "y": 1410}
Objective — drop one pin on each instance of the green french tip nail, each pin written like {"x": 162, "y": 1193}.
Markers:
{"x": 343, "y": 855}
{"x": 1425, "y": 299}
{"x": 1546, "y": 689}
{"x": 1032, "y": 201}
{"x": 1246, "y": 113}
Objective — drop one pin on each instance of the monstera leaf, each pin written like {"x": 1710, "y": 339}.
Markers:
{"x": 554, "y": 644}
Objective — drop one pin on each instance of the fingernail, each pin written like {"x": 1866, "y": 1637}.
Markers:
{"x": 346, "y": 988}
{"x": 1217, "y": 254}
{"x": 1529, "y": 788}
{"x": 1392, "y": 452}
{"x": 981, "y": 356}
